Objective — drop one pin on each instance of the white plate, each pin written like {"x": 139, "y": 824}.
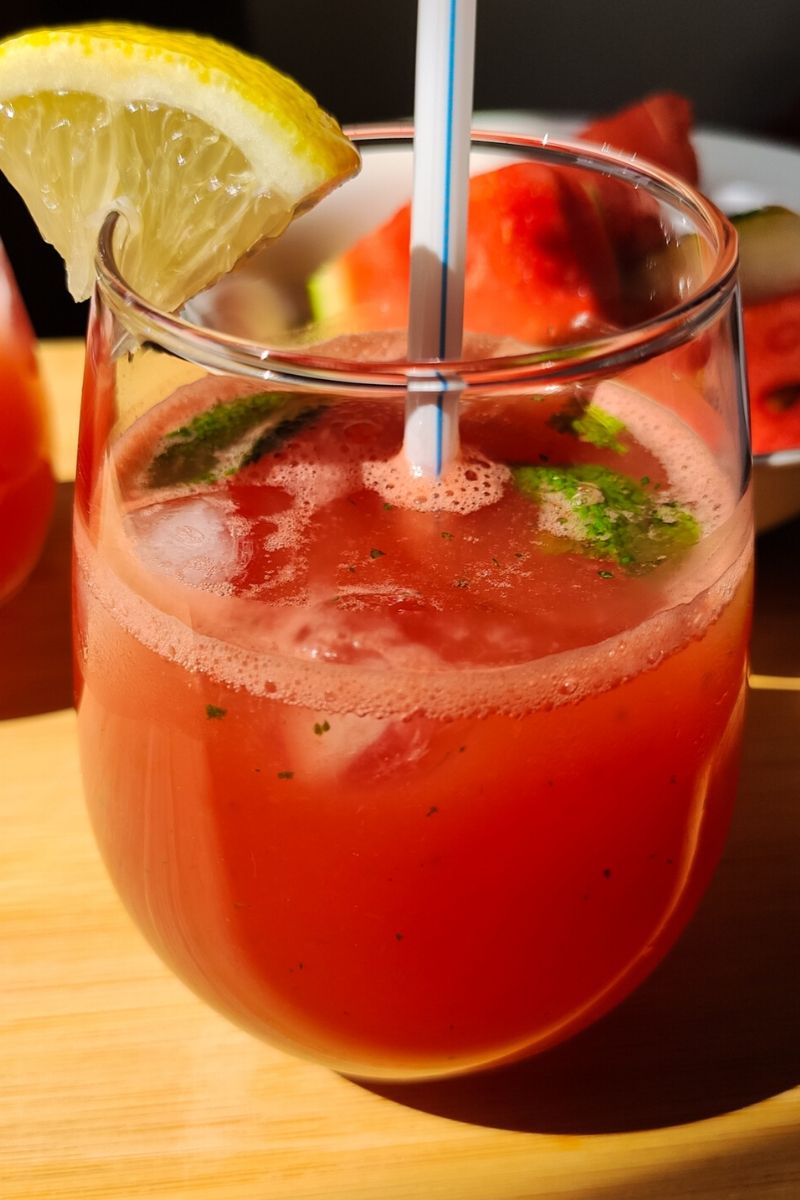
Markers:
{"x": 739, "y": 174}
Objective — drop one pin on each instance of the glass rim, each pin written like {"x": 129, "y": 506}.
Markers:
{"x": 611, "y": 351}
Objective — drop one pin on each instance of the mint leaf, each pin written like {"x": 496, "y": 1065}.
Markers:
{"x": 271, "y": 439}
{"x": 607, "y": 515}
{"x": 601, "y": 429}
{"x": 191, "y": 453}
{"x": 592, "y": 424}
{"x": 206, "y": 446}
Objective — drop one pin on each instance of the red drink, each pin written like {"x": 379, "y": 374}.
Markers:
{"x": 26, "y": 478}
{"x": 403, "y": 781}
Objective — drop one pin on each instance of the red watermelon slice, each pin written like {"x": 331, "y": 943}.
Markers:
{"x": 658, "y": 129}
{"x": 772, "y": 344}
{"x": 539, "y": 266}
{"x": 544, "y": 251}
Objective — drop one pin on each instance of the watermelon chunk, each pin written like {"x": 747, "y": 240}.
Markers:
{"x": 772, "y": 346}
{"x": 657, "y": 129}
{"x": 545, "y": 249}
{"x": 368, "y": 284}
{"x": 539, "y": 265}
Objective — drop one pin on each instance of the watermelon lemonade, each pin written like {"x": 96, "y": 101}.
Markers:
{"x": 412, "y": 777}
{"x": 363, "y": 775}
{"x": 27, "y": 486}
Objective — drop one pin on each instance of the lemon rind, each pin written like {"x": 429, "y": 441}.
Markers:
{"x": 291, "y": 143}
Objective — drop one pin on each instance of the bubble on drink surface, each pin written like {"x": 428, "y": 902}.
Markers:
{"x": 369, "y": 689}
{"x": 311, "y": 481}
{"x": 468, "y": 484}
{"x": 309, "y": 486}
{"x": 331, "y": 668}
{"x": 557, "y": 513}
{"x": 695, "y": 478}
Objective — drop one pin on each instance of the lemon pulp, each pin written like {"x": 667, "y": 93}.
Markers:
{"x": 205, "y": 150}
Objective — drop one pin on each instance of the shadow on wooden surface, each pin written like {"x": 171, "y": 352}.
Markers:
{"x": 35, "y": 665}
{"x": 716, "y": 1026}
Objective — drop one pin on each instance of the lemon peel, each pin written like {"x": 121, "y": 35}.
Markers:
{"x": 207, "y": 150}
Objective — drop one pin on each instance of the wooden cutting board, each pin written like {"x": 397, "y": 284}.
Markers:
{"x": 116, "y": 1082}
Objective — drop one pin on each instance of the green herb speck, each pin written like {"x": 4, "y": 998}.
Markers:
{"x": 376, "y": 553}
{"x": 193, "y": 453}
{"x": 610, "y": 516}
{"x": 448, "y": 537}
{"x": 276, "y": 435}
{"x": 606, "y": 574}
{"x": 285, "y": 774}
{"x": 214, "y": 712}
{"x": 190, "y": 454}
{"x": 590, "y": 423}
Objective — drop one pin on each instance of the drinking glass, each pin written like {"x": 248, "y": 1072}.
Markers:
{"x": 413, "y": 777}
{"x": 26, "y": 478}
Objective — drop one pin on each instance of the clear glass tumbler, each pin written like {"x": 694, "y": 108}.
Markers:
{"x": 415, "y": 777}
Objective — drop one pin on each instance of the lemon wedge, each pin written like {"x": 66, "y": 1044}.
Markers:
{"x": 205, "y": 150}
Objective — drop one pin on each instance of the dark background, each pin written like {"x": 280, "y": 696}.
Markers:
{"x": 735, "y": 59}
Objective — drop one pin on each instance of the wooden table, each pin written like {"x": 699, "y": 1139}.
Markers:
{"x": 117, "y": 1082}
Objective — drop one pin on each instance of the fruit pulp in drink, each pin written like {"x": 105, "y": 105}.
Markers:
{"x": 399, "y": 777}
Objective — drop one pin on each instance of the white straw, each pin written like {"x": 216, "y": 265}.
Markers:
{"x": 442, "y": 117}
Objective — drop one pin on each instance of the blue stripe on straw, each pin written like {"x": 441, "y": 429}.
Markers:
{"x": 451, "y": 70}
{"x": 440, "y": 424}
